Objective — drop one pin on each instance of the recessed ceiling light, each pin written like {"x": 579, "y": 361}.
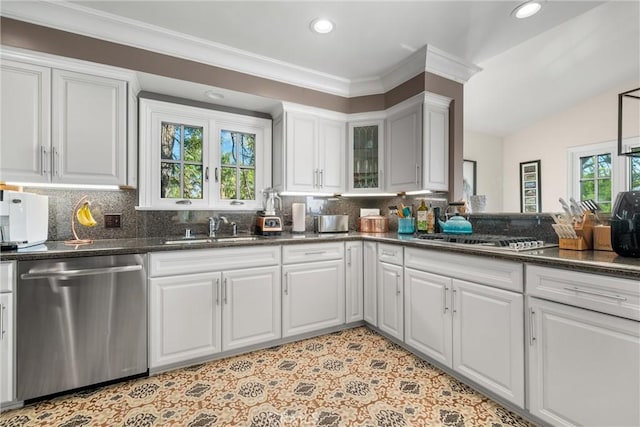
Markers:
{"x": 527, "y": 9}
{"x": 321, "y": 26}
{"x": 213, "y": 95}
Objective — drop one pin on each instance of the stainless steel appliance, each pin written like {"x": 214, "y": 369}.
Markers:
{"x": 80, "y": 321}
{"x": 24, "y": 219}
{"x": 331, "y": 223}
{"x": 625, "y": 224}
{"x": 514, "y": 243}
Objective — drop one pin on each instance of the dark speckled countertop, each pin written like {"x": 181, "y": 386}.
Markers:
{"x": 588, "y": 261}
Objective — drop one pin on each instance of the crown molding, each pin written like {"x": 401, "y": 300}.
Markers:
{"x": 89, "y": 22}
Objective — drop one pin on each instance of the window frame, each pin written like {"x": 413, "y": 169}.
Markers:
{"x": 629, "y": 144}
{"x": 619, "y": 167}
{"x": 151, "y": 115}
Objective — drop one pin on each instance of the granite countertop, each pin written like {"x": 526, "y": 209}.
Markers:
{"x": 588, "y": 261}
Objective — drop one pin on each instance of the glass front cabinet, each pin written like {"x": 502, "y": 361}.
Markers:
{"x": 365, "y": 156}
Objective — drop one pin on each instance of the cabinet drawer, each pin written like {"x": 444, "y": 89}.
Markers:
{"x": 7, "y": 276}
{"x": 205, "y": 260}
{"x": 620, "y": 297}
{"x": 492, "y": 272}
{"x": 391, "y": 254}
{"x": 311, "y": 252}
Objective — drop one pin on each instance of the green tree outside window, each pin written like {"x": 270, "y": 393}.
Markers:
{"x": 238, "y": 165}
{"x": 595, "y": 179}
{"x": 181, "y": 167}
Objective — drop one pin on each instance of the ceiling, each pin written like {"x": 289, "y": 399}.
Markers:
{"x": 569, "y": 51}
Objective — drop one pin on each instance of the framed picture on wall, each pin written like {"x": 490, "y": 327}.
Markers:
{"x": 469, "y": 177}
{"x": 530, "y": 191}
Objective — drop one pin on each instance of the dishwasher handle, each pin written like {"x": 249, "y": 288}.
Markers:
{"x": 84, "y": 272}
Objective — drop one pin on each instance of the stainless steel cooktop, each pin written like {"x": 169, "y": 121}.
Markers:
{"x": 514, "y": 243}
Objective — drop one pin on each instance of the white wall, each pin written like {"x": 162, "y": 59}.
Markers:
{"x": 486, "y": 150}
{"x": 592, "y": 121}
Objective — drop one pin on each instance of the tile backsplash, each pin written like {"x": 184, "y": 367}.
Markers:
{"x": 137, "y": 223}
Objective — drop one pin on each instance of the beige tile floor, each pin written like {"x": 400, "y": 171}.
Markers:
{"x": 350, "y": 378}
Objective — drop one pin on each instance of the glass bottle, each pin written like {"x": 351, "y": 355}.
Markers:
{"x": 422, "y": 217}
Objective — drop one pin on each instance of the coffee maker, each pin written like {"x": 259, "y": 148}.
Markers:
{"x": 625, "y": 224}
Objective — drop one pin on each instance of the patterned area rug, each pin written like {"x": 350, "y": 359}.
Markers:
{"x": 350, "y": 378}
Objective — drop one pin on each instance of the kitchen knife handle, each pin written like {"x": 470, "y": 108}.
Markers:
{"x": 532, "y": 335}
{"x": 286, "y": 283}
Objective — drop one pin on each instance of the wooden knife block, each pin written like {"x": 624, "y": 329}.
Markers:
{"x": 584, "y": 231}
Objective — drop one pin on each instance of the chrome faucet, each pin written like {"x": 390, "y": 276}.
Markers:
{"x": 214, "y": 224}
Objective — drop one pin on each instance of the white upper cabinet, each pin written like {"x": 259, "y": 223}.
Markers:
{"x": 197, "y": 158}
{"x": 61, "y": 126}
{"x": 25, "y": 137}
{"x": 309, "y": 151}
{"x": 89, "y": 133}
{"x": 435, "y": 142}
{"x": 404, "y": 148}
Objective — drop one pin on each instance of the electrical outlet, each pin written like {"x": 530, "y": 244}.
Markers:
{"x": 113, "y": 220}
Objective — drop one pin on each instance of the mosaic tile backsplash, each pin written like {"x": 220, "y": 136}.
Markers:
{"x": 174, "y": 223}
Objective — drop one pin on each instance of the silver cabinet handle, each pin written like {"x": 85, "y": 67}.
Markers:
{"x": 444, "y": 300}
{"x": 43, "y": 160}
{"x": 286, "y": 283}
{"x": 206, "y": 173}
{"x": 453, "y": 300}
{"x": 315, "y": 253}
{"x": 397, "y": 283}
{"x": 321, "y": 178}
{"x": 183, "y": 202}
{"x": 74, "y": 273}
{"x": 532, "y": 335}
{"x": 417, "y": 173}
{"x": 218, "y": 291}
{"x": 388, "y": 253}
{"x": 56, "y": 162}
{"x": 226, "y": 291}
{"x": 349, "y": 257}
{"x": 2, "y": 331}
{"x": 600, "y": 294}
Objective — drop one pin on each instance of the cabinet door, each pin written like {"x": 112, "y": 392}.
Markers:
{"x": 25, "y": 109}
{"x": 251, "y": 306}
{"x": 365, "y": 160}
{"x": 355, "y": 282}
{"x": 370, "y": 284}
{"x": 314, "y": 297}
{"x": 185, "y": 314}
{"x": 488, "y": 338}
{"x": 428, "y": 314}
{"x": 331, "y": 149}
{"x": 436, "y": 147}
{"x": 89, "y": 139}
{"x": 6, "y": 347}
{"x": 301, "y": 168}
{"x": 404, "y": 150}
{"x": 390, "y": 312}
{"x": 583, "y": 366}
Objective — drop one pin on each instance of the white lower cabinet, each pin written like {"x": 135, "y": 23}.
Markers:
{"x": 584, "y": 366}
{"x": 370, "y": 283}
{"x": 198, "y": 315}
{"x": 390, "y": 303}
{"x": 314, "y": 296}
{"x": 7, "y": 332}
{"x": 488, "y": 338}
{"x": 250, "y": 306}
{"x": 354, "y": 282}
{"x": 185, "y": 318}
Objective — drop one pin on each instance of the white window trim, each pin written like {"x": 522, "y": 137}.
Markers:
{"x": 152, "y": 112}
{"x": 627, "y": 145}
{"x": 574, "y": 154}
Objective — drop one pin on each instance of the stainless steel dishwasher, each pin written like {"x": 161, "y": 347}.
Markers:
{"x": 80, "y": 321}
